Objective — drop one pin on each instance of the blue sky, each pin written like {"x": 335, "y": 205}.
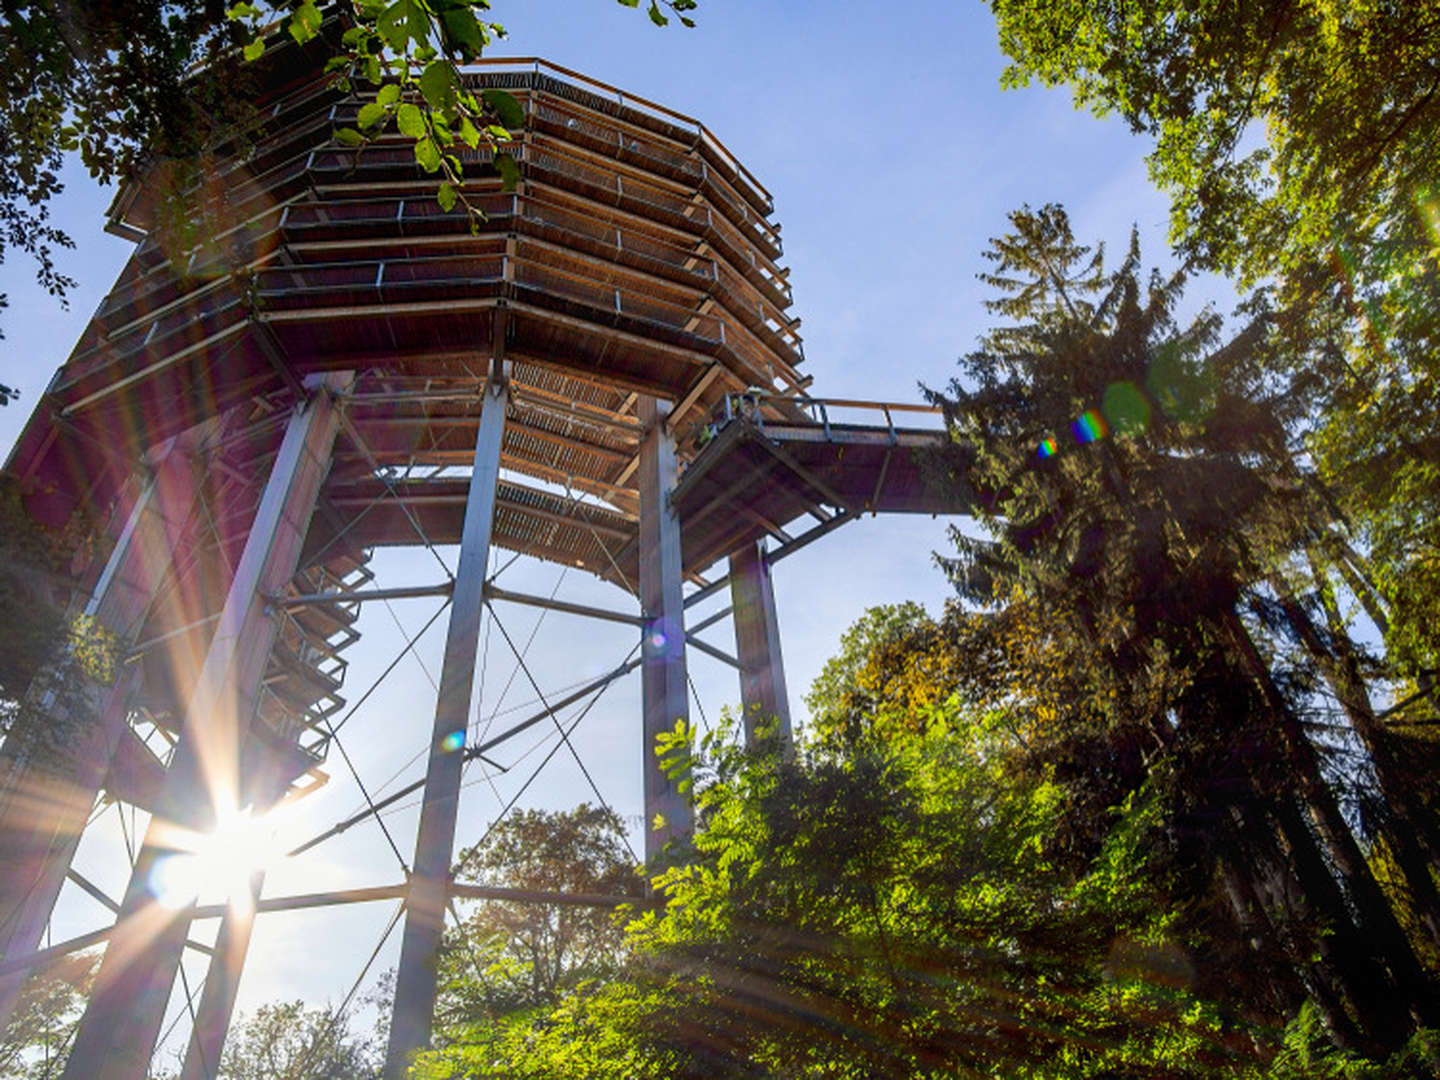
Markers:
{"x": 892, "y": 154}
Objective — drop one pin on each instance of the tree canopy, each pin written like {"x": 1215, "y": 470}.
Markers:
{"x": 1298, "y": 142}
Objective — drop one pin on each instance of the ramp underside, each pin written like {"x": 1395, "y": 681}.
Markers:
{"x": 753, "y": 479}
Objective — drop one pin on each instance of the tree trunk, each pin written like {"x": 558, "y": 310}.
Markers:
{"x": 1377, "y": 922}
{"x": 1408, "y": 828}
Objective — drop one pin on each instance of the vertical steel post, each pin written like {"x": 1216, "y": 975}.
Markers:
{"x": 757, "y": 646}
{"x": 668, "y": 812}
{"x": 117, "y": 1034}
{"x": 44, "y": 809}
{"x": 434, "y": 844}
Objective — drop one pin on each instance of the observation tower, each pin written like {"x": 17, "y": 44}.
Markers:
{"x": 602, "y": 373}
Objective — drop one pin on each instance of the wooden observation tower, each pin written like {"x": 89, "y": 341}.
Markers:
{"x": 602, "y": 374}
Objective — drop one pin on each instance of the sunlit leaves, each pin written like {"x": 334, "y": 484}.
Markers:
{"x": 305, "y": 22}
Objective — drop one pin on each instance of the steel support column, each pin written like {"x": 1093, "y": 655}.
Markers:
{"x": 757, "y": 645}
{"x": 668, "y": 812}
{"x": 44, "y": 808}
{"x": 132, "y": 988}
{"x": 434, "y": 845}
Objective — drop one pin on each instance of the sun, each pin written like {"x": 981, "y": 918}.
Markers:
{"x": 221, "y": 862}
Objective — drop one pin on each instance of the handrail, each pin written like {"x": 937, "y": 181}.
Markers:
{"x": 620, "y": 97}
{"x": 734, "y": 405}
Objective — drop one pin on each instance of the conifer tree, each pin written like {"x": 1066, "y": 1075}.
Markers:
{"x": 1140, "y": 486}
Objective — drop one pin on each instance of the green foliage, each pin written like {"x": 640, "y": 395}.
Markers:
{"x": 35, "y": 627}
{"x": 1154, "y": 541}
{"x": 111, "y": 84}
{"x": 887, "y": 911}
{"x": 51, "y": 664}
{"x": 1297, "y": 144}
{"x": 1306, "y": 1053}
{"x": 506, "y": 960}
{"x": 38, "y": 1032}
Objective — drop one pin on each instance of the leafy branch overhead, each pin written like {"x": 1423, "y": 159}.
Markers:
{"x": 409, "y": 54}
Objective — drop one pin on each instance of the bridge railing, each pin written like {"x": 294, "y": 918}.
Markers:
{"x": 759, "y": 408}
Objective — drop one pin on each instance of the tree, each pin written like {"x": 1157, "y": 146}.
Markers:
{"x": 1142, "y": 488}
{"x": 286, "y": 1041}
{"x": 37, "y": 1034}
{"x": 893, "y": 664}
{"x": 882, "y": 908}
{"x": 1297, "y": 141}
{"x": 506, "y": 959}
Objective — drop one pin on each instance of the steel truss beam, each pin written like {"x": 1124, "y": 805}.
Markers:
{"x": 42, "y": 958}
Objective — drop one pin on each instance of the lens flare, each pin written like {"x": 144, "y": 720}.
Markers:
{"x": 1048, "y": 448}
{"x": 1091, "y": 427}
{"x": 452, "y": 742}
{"x": 658, "y": 640}
{"x": 1125, "y": 408}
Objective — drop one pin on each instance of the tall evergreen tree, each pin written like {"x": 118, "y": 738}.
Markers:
{"x": 1139, "y": 482}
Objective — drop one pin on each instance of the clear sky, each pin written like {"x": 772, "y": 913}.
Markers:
{"x": 892, "y": 154}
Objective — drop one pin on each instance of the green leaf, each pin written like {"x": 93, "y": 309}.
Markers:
{"x": 243, "y": 10}
{"x": 498, "y": 133}
{"x": 349, "y": 137}
{"x": 437, "y": 83}
{"x": 427, "y": 154}
{"x": 393, "y": 25}
{"x": 255, "y": 49}
{"x": 305, "y": 23}
{"x": 370, "y": 114}
{"x": 656, "y": 16}
{"x": 388, "y": 94}
{"x": 509, "y": 171}
{"x": 463, "y": 32}
{"x": 419, "y": 24}
{"x": 469, "y": 133}
{"x": 445, "y": 196}
{"x": 411, "y": 121}
{"x": 629, "y": 3}
{"x": 510, "y": 111}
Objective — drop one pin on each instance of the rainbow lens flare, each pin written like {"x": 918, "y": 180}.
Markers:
{"x": 1048, "y": 447}
{"x": 1090, "y": 427}
{"x": 452, "y": 742}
